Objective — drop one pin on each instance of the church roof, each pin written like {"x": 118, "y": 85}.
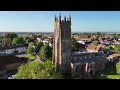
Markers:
{"x": 87, "y": 60}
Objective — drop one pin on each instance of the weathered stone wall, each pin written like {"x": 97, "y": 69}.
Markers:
{"x": 88, "y": 68}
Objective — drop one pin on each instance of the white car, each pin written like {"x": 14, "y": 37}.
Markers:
{"x": 12, "y": 77}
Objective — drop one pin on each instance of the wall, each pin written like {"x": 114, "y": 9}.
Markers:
{"x": 87, "y": 68}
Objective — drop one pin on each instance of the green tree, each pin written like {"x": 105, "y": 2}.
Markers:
{"x": 11, "y": 35}
{"x": 45, "y": 36}
{"x": 38, "y": 70}
{"x": 118, "y": 67}
{"x": 6, "y": 41}
{"x": 38, "y": 46}
{"x": 30, "y": 49}
{"x": 95, "y": 43}
{"x": 1, "y": 38}
{"x": 33, "y": 36}
{"x": 75, "y": 46}
{"x": 28, "y": 40}
{"x": 17, "y": 40}
{"x": 116, "y": 48}
{"x": 45, "y": 52}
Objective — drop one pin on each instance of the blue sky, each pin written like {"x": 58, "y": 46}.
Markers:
{"x": 43, "y": 21}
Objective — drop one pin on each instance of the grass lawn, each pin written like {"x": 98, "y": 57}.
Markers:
{"x": 32, "y": 57}
{"x": 112, "y": 76}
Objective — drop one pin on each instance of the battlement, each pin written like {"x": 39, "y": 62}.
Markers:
{"x": 66, "y": 19}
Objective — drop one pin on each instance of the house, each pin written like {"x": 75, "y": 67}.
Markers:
{"x": 82, "y": 40}
{"x": 50, "y": 36}
{"x": 10, "y": 62}
{"x": 117, "y": 42}
{"x": 94, "y": 48}
{"x": 40, "y": 39}
{"x": 114, "y": 57}
{"x": 12, "y": 50}
{"x": 48, "y": 41}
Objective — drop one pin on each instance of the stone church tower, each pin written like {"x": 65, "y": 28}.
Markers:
{"x": 62, "y": 44}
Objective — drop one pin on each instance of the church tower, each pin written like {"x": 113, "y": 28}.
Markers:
{"x": 62, "y": 44}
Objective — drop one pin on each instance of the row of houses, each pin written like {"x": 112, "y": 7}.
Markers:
{"x": 6, "y": 50}
{"x": 109, "y": 40}
{"x": 46, "y": 41}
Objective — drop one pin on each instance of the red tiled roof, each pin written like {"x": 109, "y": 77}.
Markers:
{"x": 93, "y": 47}
{"x": 81, "y": 39}
{"x": 115, "y": 55}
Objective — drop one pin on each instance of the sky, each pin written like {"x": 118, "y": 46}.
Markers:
{"x": 43, "y": 21}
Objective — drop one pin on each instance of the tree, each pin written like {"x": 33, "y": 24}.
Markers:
{"x": 6, "y": 41}
{"x": 30, "y": 49}
{"x": 116, "y": 48}
{"x": 28, "y": 40}
{"x": 45, "y": 52}
{"x": 75, "y": 46}
{"x": 38, "y": 46}
{"x": 17, "y": 40}
{"x": 95, "y": 43}
{"x": 45, "y": 36}
{"x": 89, "y": 36}
{"x": 118, "y": 67}
{"x": 33, "y": 36}
{"x": 11, "y": 35}
{"x": 1, "y": 38}
{"x": 38, "y": 70}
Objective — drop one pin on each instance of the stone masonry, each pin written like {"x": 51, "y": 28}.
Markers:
{"x": 75, "y": 63}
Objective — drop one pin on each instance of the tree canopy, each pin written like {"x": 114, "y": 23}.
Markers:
{"x": 45, "y": 52}
{"x": 30, "y": 49}
{"x": 17, "y": 40}
{"x": 28, "y": 39}
{"x": 6, "y": 41}
{"x": 38, "y": 70}
{"x": 38, "y": 46}
{"x": 11, "y": 35}
{"x": 115, "y": 48}
{"x": 75, "y": 46}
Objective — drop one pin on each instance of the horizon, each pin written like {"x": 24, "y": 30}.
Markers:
{"x": 43, "y": 21}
